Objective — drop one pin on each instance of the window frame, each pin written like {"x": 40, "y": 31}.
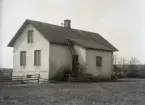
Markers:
{"x": 23, "y": 58}
{"x": 37, "y": 57}
{"x": 99, "y": 61}
{"x": 30, "y": 36}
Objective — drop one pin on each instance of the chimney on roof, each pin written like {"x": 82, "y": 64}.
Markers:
{"x": 67, "y": 23}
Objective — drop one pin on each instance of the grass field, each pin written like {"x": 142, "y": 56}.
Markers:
{"x": 124, "y": 92}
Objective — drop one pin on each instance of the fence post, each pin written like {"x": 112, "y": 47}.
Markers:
{"x": 38, "y": 77}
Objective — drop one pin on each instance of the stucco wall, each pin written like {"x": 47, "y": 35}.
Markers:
{"x": 60, "y": 57}
{"x": 40, "y": 43}
{"x": 107, "y": 62}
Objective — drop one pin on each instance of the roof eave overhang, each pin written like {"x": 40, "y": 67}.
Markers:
{"x": 86, "y": 47}
{"x": 9, "y": 45}
{"x": 100, "y": 49}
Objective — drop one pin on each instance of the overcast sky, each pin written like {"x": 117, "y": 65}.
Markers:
{"x": 121, "y": 22}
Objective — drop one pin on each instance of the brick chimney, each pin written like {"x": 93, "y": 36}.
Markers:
{"x": 67, "y": 23}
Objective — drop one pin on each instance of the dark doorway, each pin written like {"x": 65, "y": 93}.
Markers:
{"x": 75, "y": 64}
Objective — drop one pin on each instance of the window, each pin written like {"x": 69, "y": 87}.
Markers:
{"x": 98, "y": 61}
{"x": 30, "y": 36}
{"x": 23, "y": 58}
{"x": 37, "y": 57}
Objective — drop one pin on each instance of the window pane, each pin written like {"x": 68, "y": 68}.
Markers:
{"x": 30, "y": 36}
{"x": 23, "y": 58}
{"x": 37, "y": 57}
{"x": 98, "y": 61}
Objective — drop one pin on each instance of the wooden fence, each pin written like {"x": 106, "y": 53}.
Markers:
{"x": 5, "y": 74}
{"x": 28, "y": 78}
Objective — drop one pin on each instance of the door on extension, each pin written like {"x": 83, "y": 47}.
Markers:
{"x": 75, "y": 64}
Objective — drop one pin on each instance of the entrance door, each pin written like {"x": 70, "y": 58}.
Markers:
{"x": 75, "y": 64}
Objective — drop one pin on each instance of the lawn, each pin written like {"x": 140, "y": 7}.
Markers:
{"x": 124, "y": 92}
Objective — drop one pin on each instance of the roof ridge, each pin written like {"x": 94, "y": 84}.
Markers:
{"x": 61, "y": 26}
{"x": 43, "y": 22}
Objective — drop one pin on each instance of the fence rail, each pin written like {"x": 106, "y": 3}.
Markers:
{"x": 5, "y": 79}
{"x": 27, "y": 78}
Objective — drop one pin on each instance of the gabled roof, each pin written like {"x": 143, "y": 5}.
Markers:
{"x": 59, "y": 34}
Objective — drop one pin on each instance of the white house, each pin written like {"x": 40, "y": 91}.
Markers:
{"x": 41, "y": 48}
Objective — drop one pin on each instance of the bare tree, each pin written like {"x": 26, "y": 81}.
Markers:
{"x": 134, "y": 61}
{"x": 115, "y": 58}
{"x": 122, "y": 62}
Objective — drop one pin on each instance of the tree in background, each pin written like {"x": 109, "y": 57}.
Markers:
{"x": 115, "y": 58}
{"x": 123, "y": 64}
{"x": 133, "y": 64}
{"x": 119, "y": 65}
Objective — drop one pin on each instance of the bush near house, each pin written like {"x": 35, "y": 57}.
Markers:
{"x": 131, "y": 71}
{"x": 141, "y": 73}
{"x": 61, "y": 74}
{"x": 5, "y": 74}
{"x": 119, "y": 71}
{"x": 136, "y": 71}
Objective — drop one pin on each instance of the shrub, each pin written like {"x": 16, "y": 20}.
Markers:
{"x": 132, "y": 73}
{"x": 62, "y": 74}
{"x": 120, "y": 74}
{"x": 141, "y": 73}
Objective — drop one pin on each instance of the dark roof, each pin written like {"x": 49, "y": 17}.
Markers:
{"x": 58, "y": 34}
